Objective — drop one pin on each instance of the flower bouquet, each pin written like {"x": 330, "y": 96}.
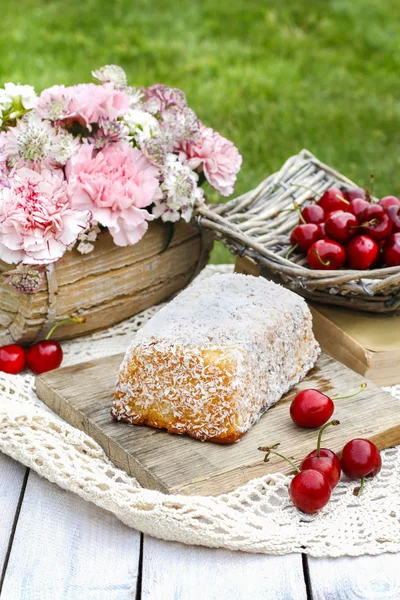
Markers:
{"x": 86, "y": 172}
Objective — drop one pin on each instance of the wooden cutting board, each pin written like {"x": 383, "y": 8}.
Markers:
{"x": 82, "y": 395}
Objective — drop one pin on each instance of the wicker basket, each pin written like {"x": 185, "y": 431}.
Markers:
{"x": 108, "y": 285}
{"x": 257, "y": 225}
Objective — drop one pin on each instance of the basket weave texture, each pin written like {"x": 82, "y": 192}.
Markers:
{"x": 258, "y": 224}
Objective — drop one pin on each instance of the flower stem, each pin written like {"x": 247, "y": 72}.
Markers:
{"x": 334, "y": 422}
{"x": 272, "y": 449}
{"x": 69, "y": 320}
{"x": 362, "y": 387}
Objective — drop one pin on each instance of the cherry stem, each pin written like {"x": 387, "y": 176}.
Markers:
{"x": 334, "y": 423}
{"x": 305, "y": 187}
{"x": 292, "y": 249}
{"x": 358, "y": 491}
{"x": 69, "y": 320}
{"x": 272, "y": 449}
{"x": 362, "y": 387}
{"x": 342, "y": 199}
{"x": 372, "y": 179}
{"x": 297, "y": 209}
{"x": 316, "y": 253}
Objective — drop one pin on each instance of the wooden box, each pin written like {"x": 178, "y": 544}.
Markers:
{"x": 106, "y": 286}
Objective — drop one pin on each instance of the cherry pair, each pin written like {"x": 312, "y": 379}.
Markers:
{"x": 319, "y": 473}
{"x": 41, "y": 357}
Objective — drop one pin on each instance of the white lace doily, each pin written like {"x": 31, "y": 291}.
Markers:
{"x": 257, "y": 517}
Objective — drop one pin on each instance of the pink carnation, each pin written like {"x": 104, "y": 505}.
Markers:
{"x": 36, "y": 220}
{"x": 218, "y": 157}
{"x": 87, "y": 103}
{"x": 115, "y": 184}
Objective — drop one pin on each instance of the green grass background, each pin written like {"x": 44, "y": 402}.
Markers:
{"x": 273, "y": 76}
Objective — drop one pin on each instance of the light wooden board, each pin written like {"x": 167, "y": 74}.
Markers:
{"x": 359, "y": 578}
{"x": 66, "y": 548}
{"x": 173, "y": 571}
{"x": 11, "y": 481}
{"x": 82, "y": 395}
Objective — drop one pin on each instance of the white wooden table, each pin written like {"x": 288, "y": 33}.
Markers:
{"x": 55, "y": 546}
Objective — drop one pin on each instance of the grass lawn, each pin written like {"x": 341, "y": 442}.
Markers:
{"x": 273, "y": 76}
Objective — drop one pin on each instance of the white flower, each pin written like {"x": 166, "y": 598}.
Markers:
{"x": 141, "y": 125}
{"x": 111, "y": 73}
{"x": 135, "y": 95}
{"x": 26, "y": 94}
{"x": 34, "y": 140}
{"x": 180, "y": 190}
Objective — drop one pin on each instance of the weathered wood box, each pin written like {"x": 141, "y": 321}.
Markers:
{"x": 106, "y": 286}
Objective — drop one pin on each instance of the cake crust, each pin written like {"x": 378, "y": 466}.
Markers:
{"x": 213, "y": 360}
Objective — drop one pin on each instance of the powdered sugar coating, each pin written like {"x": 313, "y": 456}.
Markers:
{"x": 216, "y": 357}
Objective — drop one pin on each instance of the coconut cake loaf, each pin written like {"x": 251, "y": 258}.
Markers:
{"x": 214, "y": 359}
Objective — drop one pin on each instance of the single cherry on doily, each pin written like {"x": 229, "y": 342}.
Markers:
{"x": 12, "y": 359}
{"x": 309, "y": 490}
{"x": 360, "y": 458}
{"x": 311, "y": 408}
{"x": 324, "y": 460}
{"x": 47, "y": 354}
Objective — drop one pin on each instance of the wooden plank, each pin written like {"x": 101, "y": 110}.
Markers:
{"x": 173, "y": 571}
{"x": 65, "y": 547}
{"x": 363, "y": 577}
{"x": 82, "y": 395}
{"x": 11, "y": 481}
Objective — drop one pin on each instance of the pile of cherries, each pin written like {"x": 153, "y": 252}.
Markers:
{"x": 41, "y": 357}
{"x": 319, "y": 473}
{"x": 345, "y": 228}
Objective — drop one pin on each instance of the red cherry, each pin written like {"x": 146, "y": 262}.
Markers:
{"x": 341, "y": 226}
{"x": 44, "y": 356}
{"x": 375, "y": 222}
{"x": 324, "y": 460}
{"x": 327, "y": 463}
{"x": 333, "y": 199}
{"x": 47, "y": 354}
{"x": 389, "y": 201}
{"x": 352, "y": 193}
{"x": 391, "y": 251}
{"x": 304, "y": 235}
{"x": 334, "y": 212}
{"x": 357, "y": 206}
{"x": 313, "y": 213}
{"x": 310, "y": 491}
{"x": 326, "y": 255}
{"x": 12, "y": 359}
{"x": 362, "y": 252}
{"x": 394, "y": 215}
{"x": 360, "y": 458}
{"x": 311, "y": 408}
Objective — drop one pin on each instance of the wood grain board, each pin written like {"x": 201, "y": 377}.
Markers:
{"x": 82, "y": 395}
